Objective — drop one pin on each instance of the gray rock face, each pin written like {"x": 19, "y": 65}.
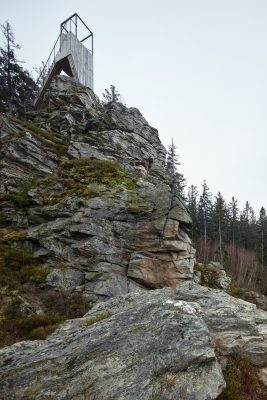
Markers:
{"x": 153, "y": 345}
{"x": 147, "y": 346}
{"x": 119, "y": 233}
{"x": 234, "y": 324}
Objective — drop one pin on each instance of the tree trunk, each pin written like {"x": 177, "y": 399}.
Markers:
{"x": 262, "y": 243}
{"x": 220, "y": 241}
{"x": 205, "y": 237}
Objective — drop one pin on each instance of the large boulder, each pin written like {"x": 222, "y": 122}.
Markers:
{"x": 160, "y": 344}
{"x": 139, "y": 346}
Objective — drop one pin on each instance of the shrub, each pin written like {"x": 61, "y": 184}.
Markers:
{"x": 28, "y": 328}
{"x": 242, "y": 381}
{"x": 18, "y": 266}
{"x": 71, "y": 306}
{"x": 20, "y": 200}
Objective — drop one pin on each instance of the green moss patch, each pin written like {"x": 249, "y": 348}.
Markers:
{"x": 242, "y": 381}
{"x": 11, "y": 235}
{"x": 100, "y": 171}
{"x": 53, "y": 141}
{"x": 83, "y": 177}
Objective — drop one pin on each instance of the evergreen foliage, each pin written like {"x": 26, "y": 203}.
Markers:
{"x": 236, "y": 238}
{"x": 16, "y": 85}
{"x": 111, "y": 95}
{"x": 178, "y": 179}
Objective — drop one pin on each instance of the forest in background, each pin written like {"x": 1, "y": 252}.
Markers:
{"x": 223, "y": 232}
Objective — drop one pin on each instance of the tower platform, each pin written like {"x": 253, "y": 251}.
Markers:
{"x": 69, "y": 55}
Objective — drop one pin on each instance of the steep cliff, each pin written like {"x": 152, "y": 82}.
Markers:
{"x": 101, "y": 202}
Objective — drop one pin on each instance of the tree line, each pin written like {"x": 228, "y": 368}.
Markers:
{"x": 17, "y": 87}
{"x": 222, "y": 231}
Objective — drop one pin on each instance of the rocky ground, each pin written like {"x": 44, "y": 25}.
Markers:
{"x": 89, "y": 217}
{"x": 161, "y": 344}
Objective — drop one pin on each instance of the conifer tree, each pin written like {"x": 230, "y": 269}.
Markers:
{"x": 205, "y": 205}
{"x": 233, "y": 216}
{"x": 172, "y": 159}
{"x": 178, "y": 179}
{"x": 180, "y": 184}
{"x": 192, "y": 197}
{"x": 220, "y": 216}
{"x": 262, "y": 224}
{"x": 111, "y": 95}
{"x": 16, "y": 85}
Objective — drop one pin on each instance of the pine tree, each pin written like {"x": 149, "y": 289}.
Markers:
{"x": 262, "y": 224}
{"x": 172, "y": 160}
{"x": 16, "y": 85}
{"x": 233, "y": 216}
{"x": 112, "y": 95}
{"x": 192, "y": 197}
{"x": 180, "y": 184}
{"x": 220, "y": 216}
{"x": 205, "y": 205}
{"x": 248, "y": 228}
{"x": 178, "y": 179}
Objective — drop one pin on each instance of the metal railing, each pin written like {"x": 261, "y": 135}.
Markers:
{"x": 49, "y": 63}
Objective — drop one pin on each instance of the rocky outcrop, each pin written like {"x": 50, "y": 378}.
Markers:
{"x": 162, "y": 344}
{"x": 253, "y": 297}
{"x": 212, "y": 275}
{"x": 98, "y": 199}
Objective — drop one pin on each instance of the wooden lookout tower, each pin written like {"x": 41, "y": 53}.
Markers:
{"x": 69, "y": 55}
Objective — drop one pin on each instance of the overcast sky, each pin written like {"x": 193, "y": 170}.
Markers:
{"x": 196, "y": 69}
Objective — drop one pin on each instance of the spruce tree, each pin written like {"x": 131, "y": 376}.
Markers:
{"x": 111, "y": 95}
{"x": 233, "y": 216}
{"x": 262, "y": 224}
{"x": 205, "y": 205}
{"x": 16, "y": 85}
{"x": 192, "y": 197}
{"x": 220, "y": 214}
{"x": 178, "y": 179}
{"x": 172, "y": 160}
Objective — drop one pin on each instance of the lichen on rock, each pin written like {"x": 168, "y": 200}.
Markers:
{"x": 103, "y": 205}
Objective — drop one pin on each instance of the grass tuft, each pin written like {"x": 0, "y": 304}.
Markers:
{"x": 98, "y": 317}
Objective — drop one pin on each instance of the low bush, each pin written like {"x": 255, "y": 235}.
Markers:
{"x": 20, "y": 200}
{"x": 28, "y": 328}
{"x": 70, "y": 305}
{"x": 242, "y": 381}
{"x": 18, "y": 266}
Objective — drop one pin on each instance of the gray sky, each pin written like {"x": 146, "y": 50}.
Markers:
{"x": 196, "y": 69}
